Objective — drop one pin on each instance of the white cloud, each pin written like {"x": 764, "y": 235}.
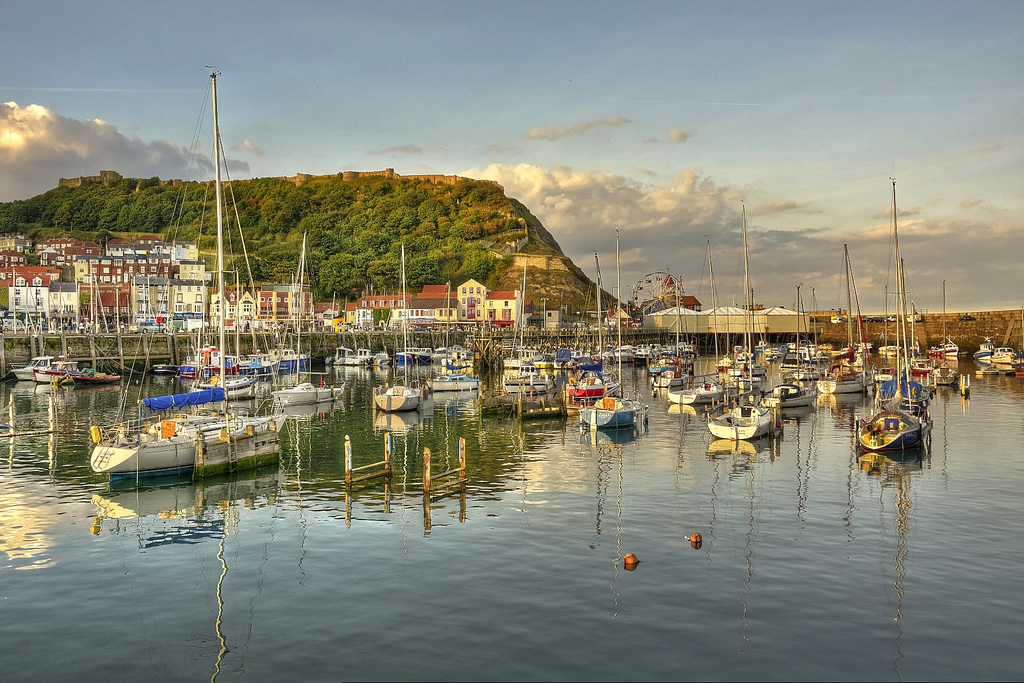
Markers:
{"x": 677, "y": 136}
{"x": 246, "y": 146}
{"x": 666, "y": 227}
{"x": 559, "y": 131}
{"x": 37, "y": 147}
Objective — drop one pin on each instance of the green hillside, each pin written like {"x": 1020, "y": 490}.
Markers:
{"x": 453, "y": 229}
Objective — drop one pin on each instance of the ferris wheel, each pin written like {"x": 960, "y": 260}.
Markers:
{"x": 655, "y": 292}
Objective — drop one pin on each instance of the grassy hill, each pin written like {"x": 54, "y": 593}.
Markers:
{"x": 355, "y": 225}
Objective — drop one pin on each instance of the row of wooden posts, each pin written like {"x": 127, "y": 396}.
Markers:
{"x": 431, "y": 481}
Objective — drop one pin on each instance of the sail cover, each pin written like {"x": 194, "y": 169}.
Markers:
{"x": 192, "y": 398}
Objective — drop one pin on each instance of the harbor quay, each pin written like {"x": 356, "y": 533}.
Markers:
{"x": 122, "y": 349}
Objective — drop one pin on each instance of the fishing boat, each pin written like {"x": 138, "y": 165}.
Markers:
{"x": 455, "y": 381}
{"x": 1004, "y": 355}
{"x": 744, "y": 420}
{"x": 399, "y": 396}
{"x": 985, "y": 351}
{"x": 947, "y": 349}
{"x": 90, "y": 377}
{"x": 164, "y": 369}
{"x": 945, "y": 375}
{"x": 60, "y": 370}
{"x": 28, "y": 372}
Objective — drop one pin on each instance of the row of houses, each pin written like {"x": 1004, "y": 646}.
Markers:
{"x": 37, "y": 293}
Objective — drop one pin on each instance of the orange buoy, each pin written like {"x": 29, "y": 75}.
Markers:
{"x": 695, "y": 538}
{"x": 630, "y": 561}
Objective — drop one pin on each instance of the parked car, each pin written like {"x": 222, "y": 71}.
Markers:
{"x": 966, "y": 316}
{"x": 146, "y": 327}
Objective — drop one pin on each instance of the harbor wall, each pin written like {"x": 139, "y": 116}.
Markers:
{"x": 119, "y": 351}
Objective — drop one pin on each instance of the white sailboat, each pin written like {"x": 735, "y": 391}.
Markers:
{"x": 183, "y": 443}
{"x": 746, "y": 420}
{"x": 842, "y": 377}
{"x": 611, "y": 412}
{"x": 399, "y": 397}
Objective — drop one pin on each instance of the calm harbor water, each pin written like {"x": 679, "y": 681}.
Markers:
{"x": 814, "y": 565}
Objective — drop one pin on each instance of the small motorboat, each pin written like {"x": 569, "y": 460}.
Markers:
{"x": 454, "y": 381}
{"x": 90, "y": 377}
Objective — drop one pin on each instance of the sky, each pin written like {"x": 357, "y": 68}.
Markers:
{"x": 664, "y": 122}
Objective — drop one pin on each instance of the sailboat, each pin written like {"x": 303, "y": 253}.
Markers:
{"x": 592, "y": 385}
{"x": 842, "y": 377}
{"x": 708, "y": 389}
{"x": 743, "y": 421}
{"x": 948, "y": 348}
{"x": 792, "y": 393}
{"x": 527, "y": 379}
{"x": 204, "y": 444}
{"x": 399, "y": 397}
{"x": 610, "y": 411}
{"x": 902, "y": 420}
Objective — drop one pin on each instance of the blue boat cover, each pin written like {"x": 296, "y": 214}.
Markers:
{"x": 563, "y": 356}
{"x": 908, "y": 389}
{"x": 192, "y": 398}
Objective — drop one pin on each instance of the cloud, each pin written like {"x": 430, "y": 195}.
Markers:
{"x": 678, "y": 136}
{"x": 666, "y": 226}
{"x": 770, "y": 208}
{"x": 399, "y": 150}
{"x": 246, "y": 146}
{"x": 990, "y": 146}
{"x": 38, "y": 147}
{"x": 559, "y": 131}
{"x": 970, "y": 203}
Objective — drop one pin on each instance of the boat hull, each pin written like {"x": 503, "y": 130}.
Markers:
{"x": 742, "y": 422}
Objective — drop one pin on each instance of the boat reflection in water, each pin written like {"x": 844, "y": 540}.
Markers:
{"x": 193, "y": 513}
{"x": 402, "y": 421}
{"x": 608, "y": 437}
{"x": 895, "y": 470}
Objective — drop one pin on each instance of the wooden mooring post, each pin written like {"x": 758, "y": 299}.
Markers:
{"x": 384, "y": 464}
{"x": 430, "y": 479}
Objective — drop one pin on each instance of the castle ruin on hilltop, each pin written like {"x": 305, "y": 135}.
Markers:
{"x": 107, "y": 178}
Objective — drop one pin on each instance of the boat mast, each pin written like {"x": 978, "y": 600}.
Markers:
{"x": 618, "y": 302}
{"x": 714, "y": 297}
{"x": 298, "y": 308}
{"x": 746, "y": 286}
{"x": 220, "y": 236}
{"x": 902, "y": 362}
{"x": 849, "y": 302}
{"x": 597, "y": 285}
{"x": 405, "y": 319}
